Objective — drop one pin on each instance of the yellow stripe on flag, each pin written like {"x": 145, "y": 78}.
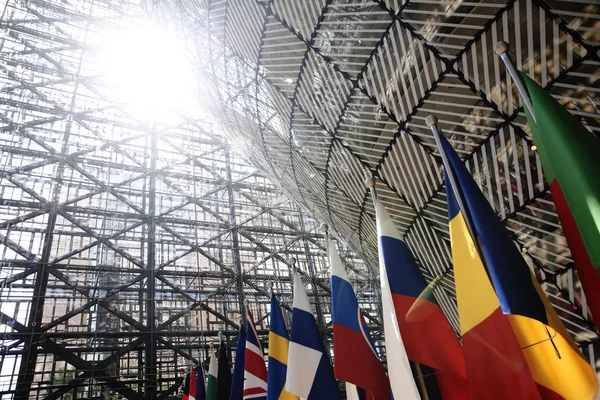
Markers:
{"x": 278, "y": 347}
{"x": 285, "y": 395}
{"x": 555, "y": 364}
{"x": 570, "y": 376}
{"x": 477, "y": 299}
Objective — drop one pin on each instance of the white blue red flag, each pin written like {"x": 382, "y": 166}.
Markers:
{"x": 401, "y": 378}
{"x": 255, "y": 370}
{"x": 355, "y": 358}
{"x": 426, "y": 333}
{"x": 309, "y": 373}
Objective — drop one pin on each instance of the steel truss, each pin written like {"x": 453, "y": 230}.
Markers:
{"x": 318, "y": 92}
{"x": 126, "y": 245}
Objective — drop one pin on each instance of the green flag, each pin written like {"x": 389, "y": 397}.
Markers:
{"x": 570, "y": 154}
{"x": 213, "y": 374}
{"x": 570, "y": 157}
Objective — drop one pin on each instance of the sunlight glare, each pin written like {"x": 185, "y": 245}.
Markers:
{"x": 148, "y": 70}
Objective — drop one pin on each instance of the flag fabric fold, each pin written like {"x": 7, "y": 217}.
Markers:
{"x": 192, "y": 391}
{"x": 237, "y": 383}
{"x": 427, "y": 335}
{"x": 402, "y": 382}
{"x": 569, "y": 157}
{"x": 278, "y": 355}
{"x": 309, "y": 373}
{"x": 213, "y": 376}
{"x": 224, "y": 381}
{"x": 494, "y": 360}
{"x": 200, "y": 383}
{"x": 355, "y": 358}
{"x": 255, "y": 371}
{"x": 553, "y": 360}
{"x": 185, "y": 395}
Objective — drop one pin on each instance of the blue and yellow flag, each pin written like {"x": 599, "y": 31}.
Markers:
{"x": 279, "y": 344}
{"x": 555, "y": 363}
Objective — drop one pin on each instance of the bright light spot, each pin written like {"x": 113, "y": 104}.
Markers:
{"x": 148, "y": 70}
{"x": 289, "y": 80}
{"x": 533, "y": 147}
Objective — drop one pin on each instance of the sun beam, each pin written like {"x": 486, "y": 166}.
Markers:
{"x": 147, "y": 69}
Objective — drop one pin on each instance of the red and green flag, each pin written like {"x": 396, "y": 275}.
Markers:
{"x": 570, "y": 157}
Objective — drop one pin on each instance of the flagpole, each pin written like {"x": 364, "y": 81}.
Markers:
{"x": 421, "y": 380}
{"x": 370, "y": 183}
{"x": 432, "y": 121}
{"x": 325, "y": 229}
{"x": 501, "y": 48}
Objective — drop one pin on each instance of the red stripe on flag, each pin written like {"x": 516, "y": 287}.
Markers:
{"x": 548, "y": 394}
{"x": 254, "y": 390}
{"x": 355, "y": 361}
{"x": 193, "y": 382}
{"x": 255, "y": 364}
{"x": 451, "y": 386}
{"x": 496, "y": 366}
{"x": 428, "y": 337}
{"x": 430, "y": 340}
{"x": 590, "y": 280}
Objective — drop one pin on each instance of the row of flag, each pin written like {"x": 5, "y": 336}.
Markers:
{"x": 218, "y": 384}
{"x": 514, "y": 346}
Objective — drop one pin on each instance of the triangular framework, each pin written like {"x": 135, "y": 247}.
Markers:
{"x": 127, "y": 246}
{"x": 372, "y": 71}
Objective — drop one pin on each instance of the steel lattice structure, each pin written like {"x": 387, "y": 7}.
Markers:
{"x": 319, "y": 91}
{"x": 126, "y": 245}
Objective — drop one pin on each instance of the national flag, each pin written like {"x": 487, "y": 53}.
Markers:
{"x": 354, "y": 393}
{"x": 213, "y": 376}
{"x": 192, "y": 389}
{"x": 401, "y": 378}
{"x": 427, "y": 335}
{"x": 569, "y": 156}
{"x": 224, "y": 381}
{"x": 200, "y": 383}
{"x": 186, "y": 387}
{"x": 309, "y": 373}
{"x": 493, "y": 356}
{"x": 237, "y": 384}
{"x": 255, "y": 371}
{"x": 557, "y": 366}
{"x": 279, "y": 343}
{"x": 355, "y": 358}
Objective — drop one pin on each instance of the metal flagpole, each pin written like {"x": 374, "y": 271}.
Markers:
{"x": 501, "y": 48}
{"x": 325, "y": 229}
{"x": 432, "y": 121}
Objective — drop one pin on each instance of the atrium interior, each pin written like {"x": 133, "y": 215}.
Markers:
{"x": 162, "y": 161}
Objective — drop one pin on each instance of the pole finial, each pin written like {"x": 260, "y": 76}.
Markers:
{"x": 292, "y": 261}
{"x": 270, "y": 285}
{"x": 431, "y": 120}
{"x": 370, "y": 182}
{"x": 324, "y": 227}
{"x": 501, "y": 47}
{"x": 246, "y": 302}
{"x": 241, "y": 319}
{"x": 221, "y": 335}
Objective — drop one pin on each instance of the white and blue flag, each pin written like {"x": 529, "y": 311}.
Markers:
{"x": 309, "y": 373}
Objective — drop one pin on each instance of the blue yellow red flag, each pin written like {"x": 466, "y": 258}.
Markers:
{"x": 553, "y": 360}
{"x": 279, "y": 343}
